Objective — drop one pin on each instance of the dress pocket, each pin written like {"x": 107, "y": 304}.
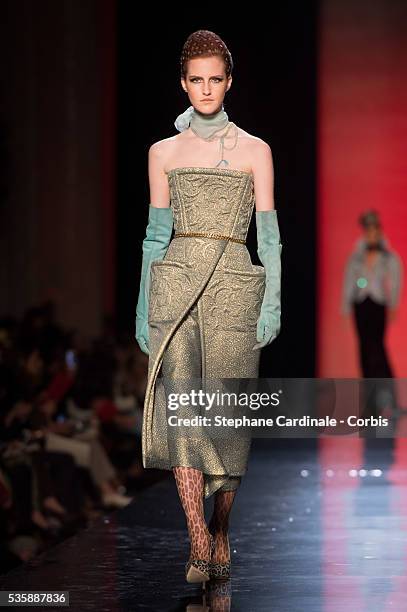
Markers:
{"x": 170, "y": 287}
{"x": 232, "y": 299}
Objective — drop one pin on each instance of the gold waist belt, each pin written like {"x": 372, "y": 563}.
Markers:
{"x": 208, "y": 235}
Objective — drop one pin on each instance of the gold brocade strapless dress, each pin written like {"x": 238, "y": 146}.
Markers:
{"x": 205, "y": 299}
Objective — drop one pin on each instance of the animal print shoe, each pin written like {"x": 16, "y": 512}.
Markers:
{"x": 198, "y": 570}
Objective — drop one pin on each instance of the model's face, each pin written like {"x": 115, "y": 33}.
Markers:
{"x": 206, "y": 83}
{"x": 372, "y": 234}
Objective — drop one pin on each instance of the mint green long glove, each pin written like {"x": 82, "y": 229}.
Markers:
{"x": 155, "y": 246}
{"x": 269, "y": 252}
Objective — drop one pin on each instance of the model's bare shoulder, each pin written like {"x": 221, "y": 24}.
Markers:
{"x": 162, "y": 150}
{"x": 260, "y": 152}
{"x": 249, "y": 138}
{"x": 254, "y": 146}
{"x": 257, "y": 145}
{"x": 161, "y": 147}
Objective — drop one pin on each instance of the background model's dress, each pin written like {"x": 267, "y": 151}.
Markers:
{"x": 205, "y": 299}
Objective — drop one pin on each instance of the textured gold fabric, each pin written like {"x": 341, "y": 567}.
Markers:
{"x": 205, "y": 299}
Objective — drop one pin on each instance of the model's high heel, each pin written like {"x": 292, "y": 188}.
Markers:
{"x": 198, "y": 570}
{"x": 221, "y": 571}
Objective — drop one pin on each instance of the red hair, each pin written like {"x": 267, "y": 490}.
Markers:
{"x": 204, "y": 43}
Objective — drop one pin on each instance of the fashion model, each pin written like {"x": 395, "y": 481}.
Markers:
{"x": 371, "y": 291}
{"x": 204, "y": 310}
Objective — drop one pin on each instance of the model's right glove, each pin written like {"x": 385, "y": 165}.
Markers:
{"x": 269, "y": 252}
{"x": 155, "y": 246}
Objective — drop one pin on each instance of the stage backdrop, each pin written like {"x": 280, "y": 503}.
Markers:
{"x": 362, "y": 160}
{"x": 57, "y": 153}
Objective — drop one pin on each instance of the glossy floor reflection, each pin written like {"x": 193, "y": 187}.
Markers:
{"x": 320, "y": 527}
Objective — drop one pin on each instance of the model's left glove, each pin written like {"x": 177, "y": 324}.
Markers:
{"x": 155, "y": 246}
{"x": 269, "y": 251}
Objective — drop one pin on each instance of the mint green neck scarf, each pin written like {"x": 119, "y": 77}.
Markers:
{"x": 204, "y": 126}
{"x": 207, "y": 127}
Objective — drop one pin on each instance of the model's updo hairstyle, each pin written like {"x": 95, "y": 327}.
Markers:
{"x": 204, "y": 43}
{"x": 369, "y": 217}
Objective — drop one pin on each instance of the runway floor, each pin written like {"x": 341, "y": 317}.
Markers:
{"x": 315, "y": 527}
